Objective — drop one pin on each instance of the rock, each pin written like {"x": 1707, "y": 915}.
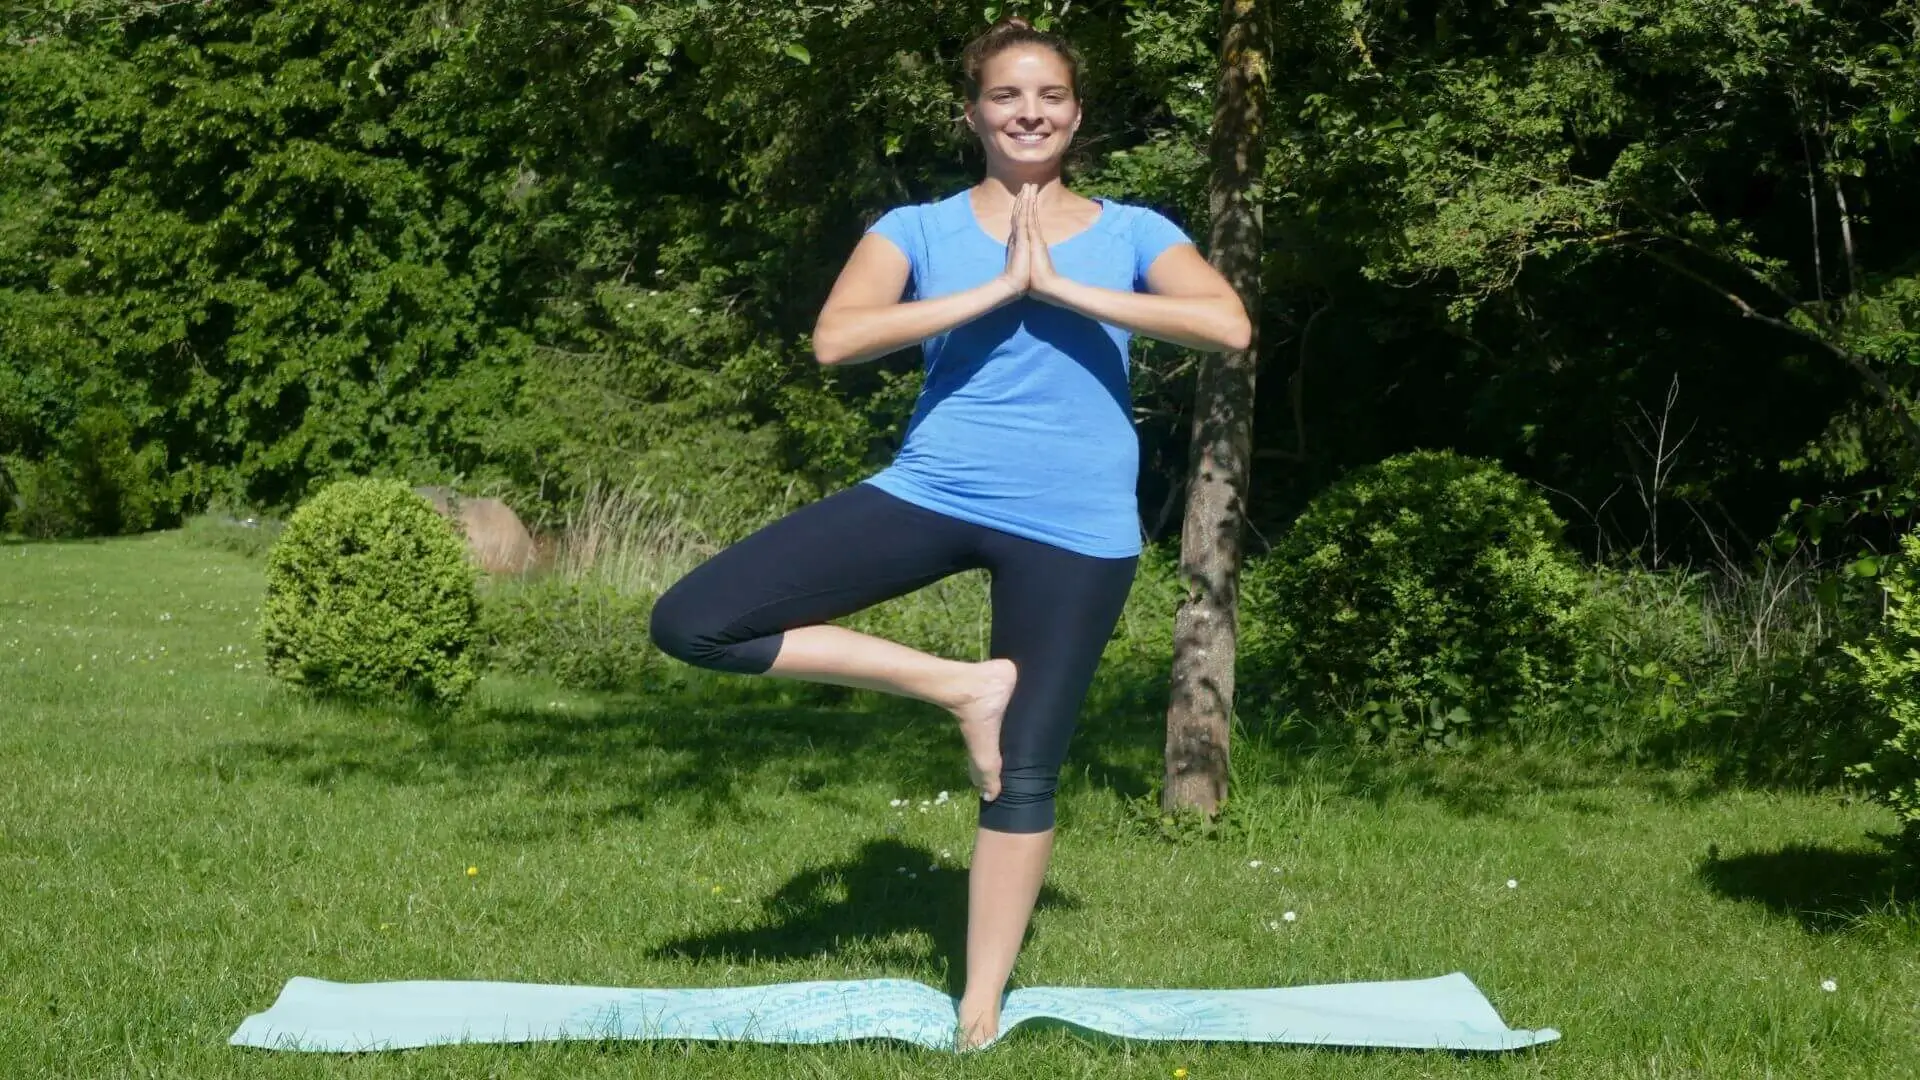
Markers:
{"x": 496, "y": 538}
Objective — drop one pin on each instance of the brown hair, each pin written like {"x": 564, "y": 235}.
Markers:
{"x": 1010, "y": 31}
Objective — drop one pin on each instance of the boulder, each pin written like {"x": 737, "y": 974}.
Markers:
{"x": 496, "y": 538}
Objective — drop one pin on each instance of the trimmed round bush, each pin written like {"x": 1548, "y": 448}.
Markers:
{"x": 1428, "y": 595}
{"x": 370, "y": 594}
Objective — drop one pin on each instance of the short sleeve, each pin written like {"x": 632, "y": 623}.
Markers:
{"x": 1152, "y": 236}
{"x": 902, "y": 226}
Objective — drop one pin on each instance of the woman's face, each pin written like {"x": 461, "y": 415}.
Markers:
{"x": 1027, "y": 111}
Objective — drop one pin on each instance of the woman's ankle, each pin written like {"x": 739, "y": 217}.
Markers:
{"x": 979, "y": 1020}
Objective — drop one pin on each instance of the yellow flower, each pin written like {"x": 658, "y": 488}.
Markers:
{"x": 716, "y": 890}
{"x": 1180, "y": 1073}
{"x": 472, "y": 870}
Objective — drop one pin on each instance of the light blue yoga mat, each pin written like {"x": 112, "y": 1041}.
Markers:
{"x": 1445, "y": 1013}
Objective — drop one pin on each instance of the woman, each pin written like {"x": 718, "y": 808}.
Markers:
{"x": 1020, "y": 459}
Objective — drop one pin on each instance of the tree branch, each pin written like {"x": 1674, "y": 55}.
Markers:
{"x": 1853, "y": 359}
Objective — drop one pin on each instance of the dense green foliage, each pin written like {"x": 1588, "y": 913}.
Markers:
{"x": 1431, "y": 595}
{"x": 370, "y": 594}
{"x": 522, "y": 244}
{"x": 580, "y": 633}
{"x": 1650, "y": 255}
{"x": 95, "y": 483}
{"x": 1890, "y": 668}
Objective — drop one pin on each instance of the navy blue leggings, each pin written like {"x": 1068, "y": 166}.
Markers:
{"x": 1053, "y": 611}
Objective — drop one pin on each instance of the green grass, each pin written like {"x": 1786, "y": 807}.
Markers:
{"x": 178, "y": 836}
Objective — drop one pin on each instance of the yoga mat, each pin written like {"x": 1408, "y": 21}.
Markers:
{"x": 1445, "y": 1013}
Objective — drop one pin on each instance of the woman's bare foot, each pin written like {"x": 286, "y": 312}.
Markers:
{"x": 979, "y": 1023}
{"x": 981, "y": 706}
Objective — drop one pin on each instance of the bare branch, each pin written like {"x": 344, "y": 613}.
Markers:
{"x": 1813, "y": 204}
{"x": 1879, "y": 383}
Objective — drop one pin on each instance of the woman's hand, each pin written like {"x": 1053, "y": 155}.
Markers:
{"x": 1019, "y": 271}
{"x": 1042, "y": 279}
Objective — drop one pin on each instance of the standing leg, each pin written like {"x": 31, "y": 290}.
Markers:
{"x": 760, "y": 607}
{"x": 1053, "y": 613}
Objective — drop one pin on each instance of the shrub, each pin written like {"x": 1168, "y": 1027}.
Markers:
{"x": 1738, "y": 668}
{"x": 370, "y": 594}
{"x": 1427, "y": 595}
{"x": 44, "y": 504}
{"x": 1890, "y": 669}
{"x": 95, "y": 484}
{"x": 582, "y": 632}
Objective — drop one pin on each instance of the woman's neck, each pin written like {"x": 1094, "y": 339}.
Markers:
{"x": 999, "y": 189}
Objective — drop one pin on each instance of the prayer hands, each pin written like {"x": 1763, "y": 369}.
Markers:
{"x": 1029, "y": 266}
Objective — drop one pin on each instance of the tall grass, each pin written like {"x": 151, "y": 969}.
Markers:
{"x": 1736, "y": 668}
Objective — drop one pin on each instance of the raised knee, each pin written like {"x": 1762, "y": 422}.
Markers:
{"x": 686, "y": 630}
{"x": 671, "y": 629}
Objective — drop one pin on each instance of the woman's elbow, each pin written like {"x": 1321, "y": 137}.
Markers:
{"x": 828, "y": 349}
{"x": 1236, "y": 330}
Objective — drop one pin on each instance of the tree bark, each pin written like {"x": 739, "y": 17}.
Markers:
{"x": 1206, "y": 628}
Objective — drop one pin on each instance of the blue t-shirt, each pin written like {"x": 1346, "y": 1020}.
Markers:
{"x": 1025, "y": 422}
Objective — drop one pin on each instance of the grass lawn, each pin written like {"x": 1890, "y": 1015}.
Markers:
{"x": 178, "y": 836}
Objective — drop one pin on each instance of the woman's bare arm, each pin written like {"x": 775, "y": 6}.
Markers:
{"x": 865, "y": 318}
{"x": 1188, "y": 303}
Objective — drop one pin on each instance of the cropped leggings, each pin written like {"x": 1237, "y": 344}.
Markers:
{"x": 1053, "y": 611}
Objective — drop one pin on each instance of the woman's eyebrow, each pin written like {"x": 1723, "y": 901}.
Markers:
{"x": 1044, "y": 89}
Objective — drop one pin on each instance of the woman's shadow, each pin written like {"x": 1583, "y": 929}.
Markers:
{"x": 884, "y": 894}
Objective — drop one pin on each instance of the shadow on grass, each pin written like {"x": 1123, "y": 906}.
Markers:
{"x": 708, "y": 744}
{"x": 1825, "y": 889}
{"x": 868, "y": 897}
{"x": 712, "y": 743}
{"x": 1491, "y": 780}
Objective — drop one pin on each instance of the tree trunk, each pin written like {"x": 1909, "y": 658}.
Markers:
{"x": 1206, "y": 629}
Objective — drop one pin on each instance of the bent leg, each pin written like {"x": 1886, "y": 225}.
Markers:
{"x": 826, "y": 560}
{"x": 760, "y": 607}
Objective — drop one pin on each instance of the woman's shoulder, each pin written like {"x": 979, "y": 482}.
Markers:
{"x": 1130, "y": 216}
{"x": 1141, "y": 227}
{"x": 931, "y": 208}
{"x": 933, "y": 217}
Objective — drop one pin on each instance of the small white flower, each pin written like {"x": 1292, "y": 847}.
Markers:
{"x": 1255, "y": 864}
{"x": 1273, "y": 924}
{"x": 913, "y": 877}
{"x": 1829, "y": 985}
{"x": 896, "y": 802}
{"x": 630, "y": 305}
{"x": 946, "y": 854}
{"x": 899, "y": 869}
{"x": 931, "y": 867}
{"x": 1290, "y": 916}
{"x": 1512, "y": 884}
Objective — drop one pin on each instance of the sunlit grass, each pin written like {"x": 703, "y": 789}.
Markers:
{"x": 178, "y": 837}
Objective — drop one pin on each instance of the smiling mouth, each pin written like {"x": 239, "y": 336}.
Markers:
{"x": 1029, "y": 139}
